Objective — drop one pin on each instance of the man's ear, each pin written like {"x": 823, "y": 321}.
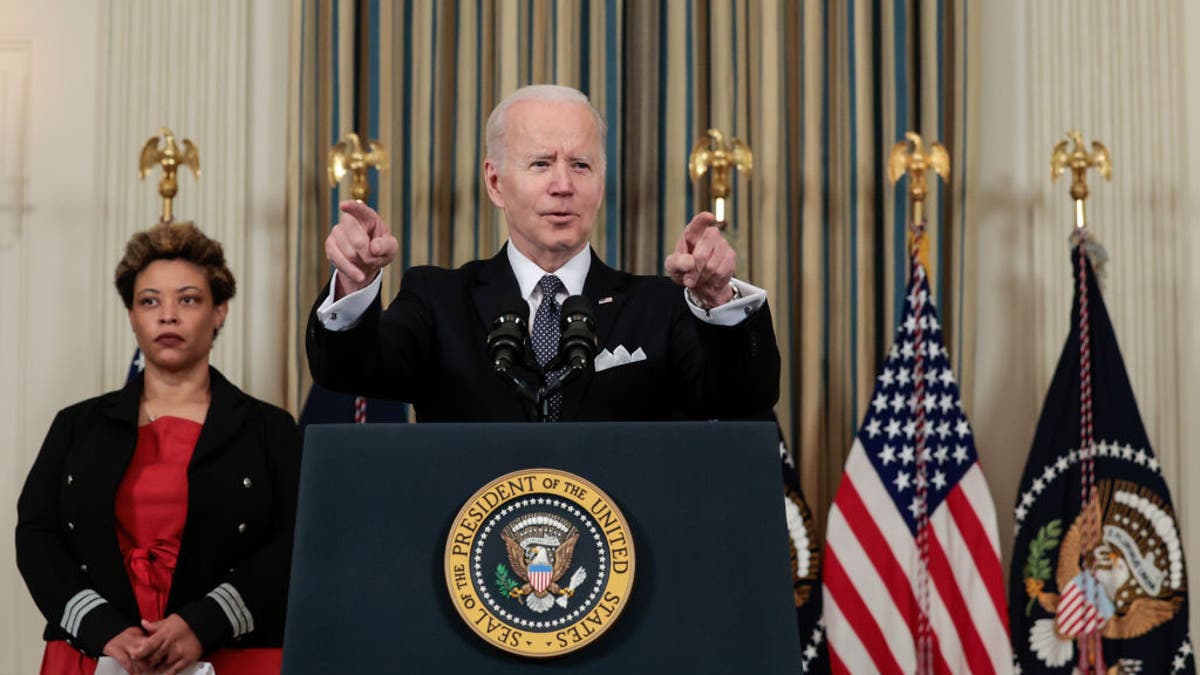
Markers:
{"x": 491, "y": 178}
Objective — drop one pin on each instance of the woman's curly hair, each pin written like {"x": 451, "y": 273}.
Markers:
{"x": 182, "y": 241}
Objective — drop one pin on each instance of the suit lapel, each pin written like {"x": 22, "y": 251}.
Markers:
{"x": 602, "y": 283}
{"x": 122, "y": 406}
{"x": 226, "y": 412}
{"x": 118, "y": 439}
{"x": 493, "y": 284}
{"x": 605, "y": 284}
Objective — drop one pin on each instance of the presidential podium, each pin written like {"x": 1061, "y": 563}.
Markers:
{"x": 711, "y": 591}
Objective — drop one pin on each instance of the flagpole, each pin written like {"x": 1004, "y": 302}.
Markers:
{"x": 910, "y": 157}
{"x": 1079, "y": 161}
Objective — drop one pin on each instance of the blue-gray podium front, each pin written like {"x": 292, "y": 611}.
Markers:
{"x": 712, "y": 591}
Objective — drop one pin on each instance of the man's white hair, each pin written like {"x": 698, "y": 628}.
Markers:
{"x": 545, "y": 93}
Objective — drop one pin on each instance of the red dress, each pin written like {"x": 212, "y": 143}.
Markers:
{"x": 151, "y": 509}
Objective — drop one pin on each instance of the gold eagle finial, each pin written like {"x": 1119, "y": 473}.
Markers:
{"x": 1079, "y": 160}
{"x": 718, "y": 157}
{"x": 910, "y": 156}
{"x": 348, "y": 156}
{"x": 161, "y": 150}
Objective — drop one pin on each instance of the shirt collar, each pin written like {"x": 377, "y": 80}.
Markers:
{"x": 573, "y": 273}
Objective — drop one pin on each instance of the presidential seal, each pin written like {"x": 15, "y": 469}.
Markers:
{"x": 1133, "y": 583}
{"x": 539, "y": 562}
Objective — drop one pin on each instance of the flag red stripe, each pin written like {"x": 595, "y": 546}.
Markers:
{"x": 1077, "y": 618}
{"x": 942, "y": 575}
{"x": 865, "y": 528}
{"x": 1075, "y": 625}
{"x": 939, "y": 659}
{"x": 986, "y": 560}
{"x": 841, "y": 589}
{"x": 1070, "y": 617}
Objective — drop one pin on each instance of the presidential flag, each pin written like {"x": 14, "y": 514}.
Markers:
{"x": 911, "y": 574}
{"x": 805, "y": 551}
{"x": 1101, "y": 588}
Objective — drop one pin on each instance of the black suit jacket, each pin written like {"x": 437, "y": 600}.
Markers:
{"x": 242, "y": 483}
{"x": 429, "y": 348}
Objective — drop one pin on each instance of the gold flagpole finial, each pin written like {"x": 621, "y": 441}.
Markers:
{"x": 1079, "y": 160}
{"x": 349, "y": 157}
{"x": 714, "y": 155}
{"x": 909, "y": 156}
{"x": 161, "y": 150}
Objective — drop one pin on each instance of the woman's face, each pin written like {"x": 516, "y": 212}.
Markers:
{"x": 173, "y": 315}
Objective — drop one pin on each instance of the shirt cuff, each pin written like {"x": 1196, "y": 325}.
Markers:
{"x": 344, "y": 314}
{"x": 733, "y": 312}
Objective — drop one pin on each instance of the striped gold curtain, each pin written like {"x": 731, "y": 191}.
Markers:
{"x": 819, "y": 89}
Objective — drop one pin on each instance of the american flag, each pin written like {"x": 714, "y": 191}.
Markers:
{"x": 912, "y": 576}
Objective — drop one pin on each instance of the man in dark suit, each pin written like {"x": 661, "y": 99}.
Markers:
{"x": 702, "y": 351}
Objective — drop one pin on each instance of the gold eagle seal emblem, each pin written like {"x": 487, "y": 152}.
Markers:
{"x": 539, "y": 562}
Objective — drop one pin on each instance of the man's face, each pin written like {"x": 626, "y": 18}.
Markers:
{"x": 550, "y": 181}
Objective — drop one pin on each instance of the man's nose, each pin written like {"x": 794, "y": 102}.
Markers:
{"x": 561, "y": 182}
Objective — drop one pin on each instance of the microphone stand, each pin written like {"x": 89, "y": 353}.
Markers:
{"x": 539, "y": 396}
{"x": 577, "y": 348}
{"x": 522, "y": 388}
{"x": 550, "y": 388}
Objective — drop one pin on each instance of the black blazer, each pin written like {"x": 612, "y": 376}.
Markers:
{"x": 429, "y": 348}
{"x": 242, "y": 483}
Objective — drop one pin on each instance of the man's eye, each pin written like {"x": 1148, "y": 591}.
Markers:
{"x": 582, "y": 166}
{"x": 540, "y": 164}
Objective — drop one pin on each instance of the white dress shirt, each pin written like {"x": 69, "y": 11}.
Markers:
{"x": 344, "y": 313}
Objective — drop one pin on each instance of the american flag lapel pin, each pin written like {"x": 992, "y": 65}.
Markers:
{"x": 605, "y": 300}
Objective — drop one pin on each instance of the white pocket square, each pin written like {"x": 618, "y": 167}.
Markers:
{"x": 618, "y": 357}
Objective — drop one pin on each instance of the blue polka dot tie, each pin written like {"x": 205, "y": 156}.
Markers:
{"x": 546, "y": 332}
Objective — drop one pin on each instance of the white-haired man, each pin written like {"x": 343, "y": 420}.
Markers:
{"x": 703, "y": 351}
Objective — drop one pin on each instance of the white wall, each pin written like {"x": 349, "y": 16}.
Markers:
{"x": 82, "y": 85}
{"x": 48, "y": 355}
{"x": 1119, "y": 72}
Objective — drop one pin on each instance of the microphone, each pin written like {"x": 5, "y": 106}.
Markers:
{"x": 578, "y": 344}
{"x": 506, "y": 342}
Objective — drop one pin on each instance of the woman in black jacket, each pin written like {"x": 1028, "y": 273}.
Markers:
{"x": 155, "y": 526}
